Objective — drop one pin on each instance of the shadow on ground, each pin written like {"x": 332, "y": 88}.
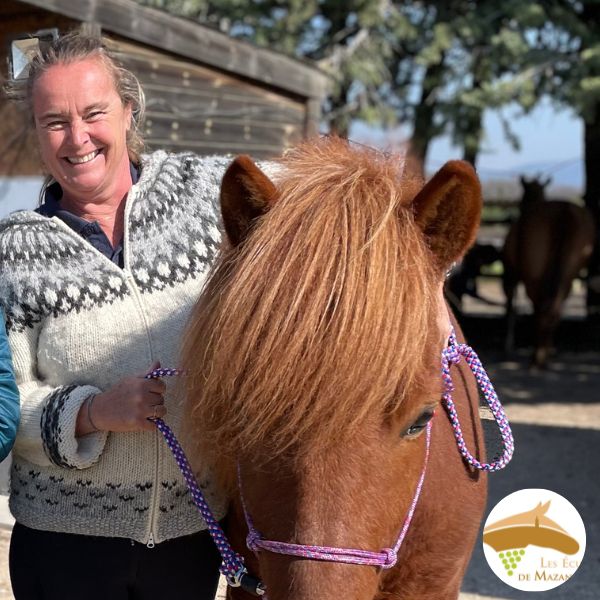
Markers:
{"x": 557, "y": 443}
{"x": 565, "y": 461}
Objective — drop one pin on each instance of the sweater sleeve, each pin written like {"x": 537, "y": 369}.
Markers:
{"x": 46, "y": 432}
{"x": 9, "y": 396}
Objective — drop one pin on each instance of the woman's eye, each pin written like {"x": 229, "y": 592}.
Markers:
{"x": 94, "y": 115}
{"x": 53, "y": 125}
{"x": 419, "y": 424}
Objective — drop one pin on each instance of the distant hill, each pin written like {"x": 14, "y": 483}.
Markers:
{"x": 503, "y": 184}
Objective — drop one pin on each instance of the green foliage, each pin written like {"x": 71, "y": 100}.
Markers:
{"x": 435, "y": 64}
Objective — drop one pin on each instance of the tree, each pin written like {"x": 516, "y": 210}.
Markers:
{"x": 353, "y": 41}
{"x": 475, "y": 56}
{"x": 570, "y": 40}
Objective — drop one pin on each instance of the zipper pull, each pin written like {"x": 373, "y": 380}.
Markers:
{"x": 150, "y": 543}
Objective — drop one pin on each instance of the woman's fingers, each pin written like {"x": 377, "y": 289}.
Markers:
{"x": 158, "y": 411}
{"x": 154, "y": 386}
{"x": 129, "y": 404}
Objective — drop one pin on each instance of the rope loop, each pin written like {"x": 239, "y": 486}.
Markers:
{"x": 452, "y": 355}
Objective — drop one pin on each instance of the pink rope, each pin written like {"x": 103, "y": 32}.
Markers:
{"x": 452, "y": 355}
{"x": 385, "y": 558}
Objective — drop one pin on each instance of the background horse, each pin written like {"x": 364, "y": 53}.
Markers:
{"x": 545, "y": 248}
{"x": 313, "y": 362}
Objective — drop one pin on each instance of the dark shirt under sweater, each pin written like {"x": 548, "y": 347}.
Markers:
{"x": 88, "y": 230}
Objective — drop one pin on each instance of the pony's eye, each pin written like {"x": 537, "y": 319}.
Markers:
{"x": 420, "y": 423}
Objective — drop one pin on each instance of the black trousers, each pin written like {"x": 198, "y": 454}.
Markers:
{"x": 60, "y": 566}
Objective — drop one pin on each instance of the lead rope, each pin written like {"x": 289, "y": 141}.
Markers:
{"x": 232, "y": 565}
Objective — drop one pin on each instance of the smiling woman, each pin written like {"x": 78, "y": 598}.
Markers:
{"x": 82, "y": 125}
{"x": 97, "y": 284}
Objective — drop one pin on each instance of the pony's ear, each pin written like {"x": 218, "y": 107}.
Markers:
{"x": 246, "y": 193}
{"x": 448, "y": 210}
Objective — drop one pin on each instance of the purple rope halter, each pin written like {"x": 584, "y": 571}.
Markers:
{"x": 452, "y": 355}
{"x": 233, "y": 567}
{"x": 385, "y": 558}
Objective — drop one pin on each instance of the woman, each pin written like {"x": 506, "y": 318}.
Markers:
{"x": 9, "y": 396}
{"x": 97, "y": 285}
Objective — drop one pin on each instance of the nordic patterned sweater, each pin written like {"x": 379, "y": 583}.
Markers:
{"x": 77, "y": 323}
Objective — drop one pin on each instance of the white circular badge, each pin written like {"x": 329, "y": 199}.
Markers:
{"x": 534, "y": 540}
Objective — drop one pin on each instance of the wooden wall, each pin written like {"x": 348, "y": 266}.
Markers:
{"x": 190, "y": 105}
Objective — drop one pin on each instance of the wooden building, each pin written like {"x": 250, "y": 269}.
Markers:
{"x": 205, "y": 91}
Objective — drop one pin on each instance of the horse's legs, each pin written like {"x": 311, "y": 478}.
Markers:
{"x": 547, "y": 318}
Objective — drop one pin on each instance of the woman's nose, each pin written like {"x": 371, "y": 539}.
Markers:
{"x": 78, "y": 133}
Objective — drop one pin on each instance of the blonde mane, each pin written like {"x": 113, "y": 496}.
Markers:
{"x": 321, "y": 317}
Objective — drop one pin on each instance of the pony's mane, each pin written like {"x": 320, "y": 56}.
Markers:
{"x": 321, "y": 317}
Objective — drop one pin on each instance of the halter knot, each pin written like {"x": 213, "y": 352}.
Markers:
{"x": 252, "y": 540}
{"x": 391, "y": 558}
{"x": 453, "y": 353}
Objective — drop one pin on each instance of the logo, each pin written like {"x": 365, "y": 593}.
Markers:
{"x": 534, "y": 540}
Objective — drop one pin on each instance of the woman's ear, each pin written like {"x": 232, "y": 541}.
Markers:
{"x": 448, "y": 211}
{"x": 246, "y": 194}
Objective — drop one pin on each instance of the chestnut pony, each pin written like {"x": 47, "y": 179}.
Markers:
{"x": 545, "y": 248}
{"x": 313, "y": 362}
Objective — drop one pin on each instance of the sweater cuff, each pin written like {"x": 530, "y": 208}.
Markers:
{"x": 58, "y": 423}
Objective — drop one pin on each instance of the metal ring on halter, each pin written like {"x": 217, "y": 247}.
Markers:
{"x": 235, "y": 579}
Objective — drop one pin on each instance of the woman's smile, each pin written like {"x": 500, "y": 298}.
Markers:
{"x": 80, "y": 160}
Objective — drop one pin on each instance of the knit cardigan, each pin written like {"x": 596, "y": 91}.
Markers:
{"x": 77, "y": 323}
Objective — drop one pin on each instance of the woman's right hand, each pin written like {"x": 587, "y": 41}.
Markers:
{"x": 126, "y": 406}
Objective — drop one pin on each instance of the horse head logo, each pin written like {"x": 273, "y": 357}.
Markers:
{"x": 532, "y": 527}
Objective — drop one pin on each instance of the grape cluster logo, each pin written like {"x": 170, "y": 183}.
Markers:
{"x": 534, "y": 540}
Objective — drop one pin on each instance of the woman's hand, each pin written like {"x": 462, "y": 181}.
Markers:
{"x": 124, "y": 407}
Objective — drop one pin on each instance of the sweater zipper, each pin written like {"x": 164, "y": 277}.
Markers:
{"x": 154, "y": 499}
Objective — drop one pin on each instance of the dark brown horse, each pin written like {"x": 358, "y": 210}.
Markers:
{"x": 546, "y": 248}
{"x": 313, "y": 362}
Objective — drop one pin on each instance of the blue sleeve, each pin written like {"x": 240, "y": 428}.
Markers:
{"x": 9, "y": 395}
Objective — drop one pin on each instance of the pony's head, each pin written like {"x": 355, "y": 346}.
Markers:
{"x": 313, "y": 355}
{"x": 534, "y": 189}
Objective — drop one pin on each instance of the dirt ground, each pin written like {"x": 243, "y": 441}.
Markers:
{"x": 555, "y": 416}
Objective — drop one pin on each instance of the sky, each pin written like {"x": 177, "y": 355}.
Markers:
{"x": 551, "y": 143}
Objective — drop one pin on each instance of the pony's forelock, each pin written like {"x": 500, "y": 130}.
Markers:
{"x": 321, "y": 317}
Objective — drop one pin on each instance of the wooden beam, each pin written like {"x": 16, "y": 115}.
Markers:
{"x": 195, "y": 41}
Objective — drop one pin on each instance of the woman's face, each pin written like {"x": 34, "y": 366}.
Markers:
{"x": 81, "y": 126}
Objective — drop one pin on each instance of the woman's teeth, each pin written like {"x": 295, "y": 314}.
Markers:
{"x": 77, "y": 160}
